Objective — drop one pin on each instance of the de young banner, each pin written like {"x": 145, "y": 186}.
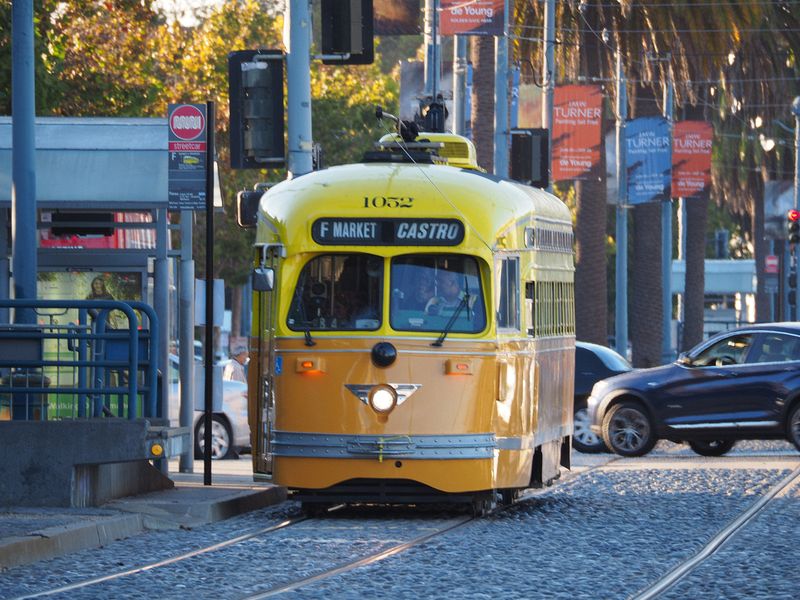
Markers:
{"x": 577, "y": 120}
{"x": 648, "y": 158}
{"x": 691, "y": 158}
{"x": 471, "y": 17}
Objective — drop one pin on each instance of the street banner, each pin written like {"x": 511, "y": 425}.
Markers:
{"x": 471, "y": 17}
{"x": 691, "y": 158}
{"x": 649, "y": 159}
{"x": 187, "y": 156}
{"x": 396, "y": 17}
{"x": 577, "y": 121}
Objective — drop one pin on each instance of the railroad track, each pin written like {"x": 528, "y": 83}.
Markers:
{"x": 683, "y": 569}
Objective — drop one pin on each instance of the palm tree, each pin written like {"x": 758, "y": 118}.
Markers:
{"x": 482, "y": 58}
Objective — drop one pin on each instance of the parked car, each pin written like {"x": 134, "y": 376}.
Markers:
{"x": 741, "y": 384}
{"x": 592, "y": 363}
{"x": 230, "y": 431}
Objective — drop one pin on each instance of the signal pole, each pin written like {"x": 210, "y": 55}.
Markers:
{"x": 621, "y": 316}
{"x": 297, "y": 39}
{"x": 501, "y": 99}
{"x": 796, "y": 113}
{"x": 666, "y": 240}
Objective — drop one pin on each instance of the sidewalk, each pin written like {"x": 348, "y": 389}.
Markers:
{"x": 31, "y": 534}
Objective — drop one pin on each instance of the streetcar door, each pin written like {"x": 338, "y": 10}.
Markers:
{"x": 262, "y": 396}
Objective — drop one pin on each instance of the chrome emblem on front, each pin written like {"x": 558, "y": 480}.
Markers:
{"x": 404, "y": 390}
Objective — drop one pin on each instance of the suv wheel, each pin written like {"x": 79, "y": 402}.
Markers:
{"x": 793, "y": 426}
{"x": 583, "y": 438}
{"x": 627, "y": 430}
{"x": 711, "y": 447}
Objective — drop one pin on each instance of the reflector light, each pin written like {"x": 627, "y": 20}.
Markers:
{"x": 307, "y": 364}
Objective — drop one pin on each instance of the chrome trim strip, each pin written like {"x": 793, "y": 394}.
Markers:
{"x": 515, "y": 443}
{"x": 409, "y": 447}
{"x": 726, "y": 425}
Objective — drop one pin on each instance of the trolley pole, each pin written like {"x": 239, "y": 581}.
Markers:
{"x": 297, "y": 39}
{"x": 621, "y": 316}
{"x": 432, "y": 53}
{"x": 548, "y": 74}
{"x": 459, "y": 84}
{"x": 23, "y": 158}
{"x": 501, "y": 99}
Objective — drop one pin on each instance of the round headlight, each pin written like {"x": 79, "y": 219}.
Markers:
{"x": 382, "y": 398}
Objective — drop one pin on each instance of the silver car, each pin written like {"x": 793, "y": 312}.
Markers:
{"x": 230, "y": 431}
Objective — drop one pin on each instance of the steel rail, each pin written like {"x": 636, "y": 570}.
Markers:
{"x": 683, "y": 569}
{"x": 166, "y": 561}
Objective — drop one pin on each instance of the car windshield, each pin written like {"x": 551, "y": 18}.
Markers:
{"x": 430, "y": 290}
{"x": 611, "y": 359}
{"x": 338, "y": 291}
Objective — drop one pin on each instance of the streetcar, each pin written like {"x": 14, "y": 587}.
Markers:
{"x": 413, "y": 330}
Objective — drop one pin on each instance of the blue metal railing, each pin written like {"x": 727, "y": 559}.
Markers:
{"x": 90, "y": 361}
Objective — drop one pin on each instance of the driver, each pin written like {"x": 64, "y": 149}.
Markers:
{"x": 450, "y": 294}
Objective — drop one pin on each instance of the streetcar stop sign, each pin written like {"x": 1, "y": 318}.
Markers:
{"x": 187, "y": 158}
{"x": 187, "y": 122}
{"x": 771, "y": 264}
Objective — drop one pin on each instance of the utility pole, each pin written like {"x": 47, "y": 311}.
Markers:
{"x": 297, "y": 39}
{"x": 548, "y": 75}
{"x": 666, "y": 239}
{"x": 796, "y": 113}
{"x": 621, "y": 316}
{"x": 23, "y": 159}
{"x": 432, "y": 59}
{"x": 501, "y": 99}
{"x": 459, "y": 84}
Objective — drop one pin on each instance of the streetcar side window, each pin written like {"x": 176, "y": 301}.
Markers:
{"x": 338, "y": 292}
{"x": 508, "y": 301}
{"x": 429, "y": 290}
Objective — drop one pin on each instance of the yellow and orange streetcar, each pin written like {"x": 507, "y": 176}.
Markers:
{"x": 413, "y": 332}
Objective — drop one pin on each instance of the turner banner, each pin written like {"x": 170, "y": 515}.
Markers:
{"x": 471, "y": 17}
{"x": 691, "y": 158}
{"x": 649, "y": 159}
{"x": 577, "y": 120}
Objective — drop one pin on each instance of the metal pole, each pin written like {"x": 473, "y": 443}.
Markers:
{"x": 549, "y": 81}
{"x": 621, "y": 317}
{"x": 666, "y": 244}
{"x": 209, "y": 345}
{"x": 297, "y": 39}
{"x": 23, "y": 158}
{"x": 796, "y": 113}
{"x": 186, "y": 337}
{"x": 459, "y": 83}
{"x": 501, "y": 99}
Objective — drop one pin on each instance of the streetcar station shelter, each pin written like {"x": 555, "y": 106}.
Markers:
{"x": 113, "y": 171}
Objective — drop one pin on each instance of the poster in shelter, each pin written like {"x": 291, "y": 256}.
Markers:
{"x": 577, "y": 120}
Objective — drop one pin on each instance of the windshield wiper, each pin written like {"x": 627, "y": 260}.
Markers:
{"x": 461, "y": 305}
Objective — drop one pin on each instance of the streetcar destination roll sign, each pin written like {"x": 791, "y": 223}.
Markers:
{"x": 387, "y": 232}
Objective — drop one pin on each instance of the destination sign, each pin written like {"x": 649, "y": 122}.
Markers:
{"x": 387, "y": 232}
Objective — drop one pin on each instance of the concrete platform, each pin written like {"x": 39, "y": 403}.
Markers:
{"x": 31, "y": 534}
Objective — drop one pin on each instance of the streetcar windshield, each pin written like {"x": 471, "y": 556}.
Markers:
{"x": 428, "y": 291}
{"x": 338, "y": 291}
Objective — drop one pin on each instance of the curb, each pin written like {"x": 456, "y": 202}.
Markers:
{"x": 64, "y": 539}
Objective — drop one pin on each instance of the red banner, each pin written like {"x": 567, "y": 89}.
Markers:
{"x": 691, "y": 158}
{"x": 471, "y": 17}
{"x": 577, "y": 128}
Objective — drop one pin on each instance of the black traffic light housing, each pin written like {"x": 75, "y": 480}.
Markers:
{"x": 255, "y": 93}
{"x": 793, "y": 226}
{"x": 347, "y": 29}
{"x": 529, "y": 153}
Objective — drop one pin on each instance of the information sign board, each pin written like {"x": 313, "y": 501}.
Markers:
{"x": 187, "y": 156}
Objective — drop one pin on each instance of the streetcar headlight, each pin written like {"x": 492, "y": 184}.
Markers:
{"x": 382, "y": 398}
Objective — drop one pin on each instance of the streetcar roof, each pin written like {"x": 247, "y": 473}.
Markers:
{"x": 494, "y": 211}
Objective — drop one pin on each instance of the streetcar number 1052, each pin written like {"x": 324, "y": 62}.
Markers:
{"x": 388, "y": 202}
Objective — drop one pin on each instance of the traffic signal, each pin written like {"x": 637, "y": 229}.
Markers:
{"x": 529, "y": 157}
{"x": 255, "y": 93}
{"x": 347, "y": 28}
{"x": 793, "y": 225}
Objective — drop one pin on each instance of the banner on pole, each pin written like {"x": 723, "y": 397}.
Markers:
{"x": 691, "y": 158}
{"x": 577, "y": 127}
{"x": 471, "y": 17}
{"x": 649, "y": 159}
